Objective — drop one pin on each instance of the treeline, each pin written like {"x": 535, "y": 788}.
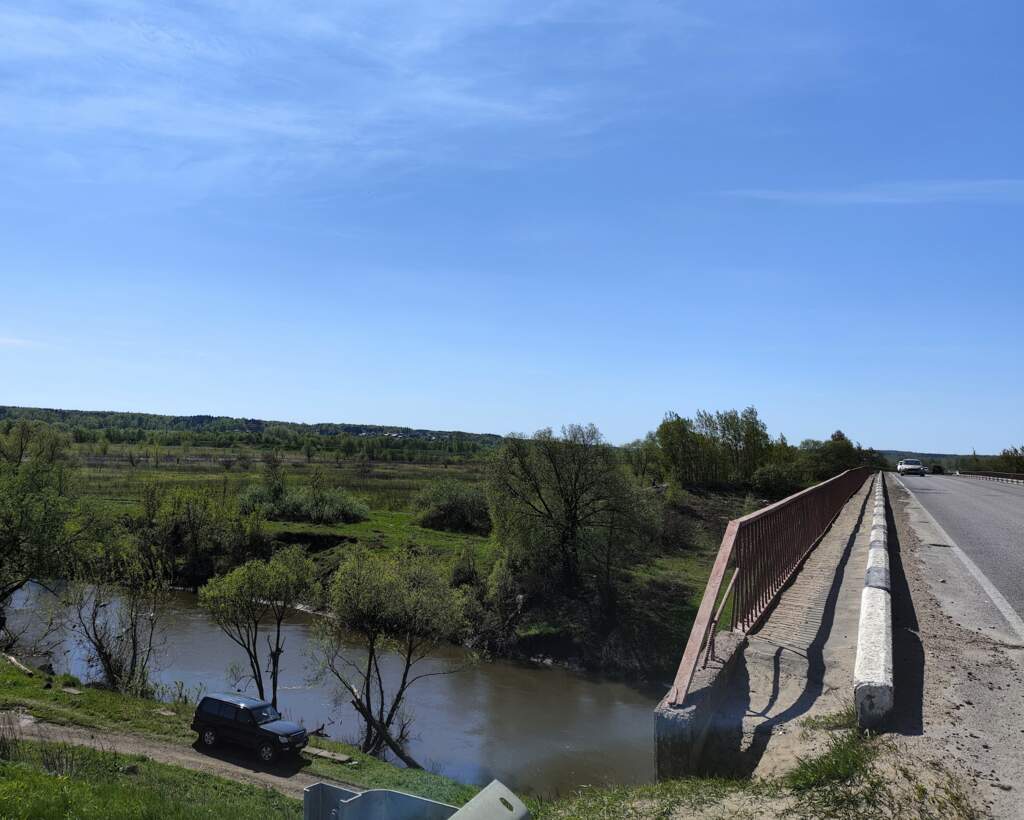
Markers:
{"x": 346, "y": 440}
{"x": 1010, "y": 460}
{"x": 734, "y": 450}
{"x": 579, "y": 523}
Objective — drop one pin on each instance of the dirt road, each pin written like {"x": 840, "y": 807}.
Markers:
{"x": 286, "y": 776}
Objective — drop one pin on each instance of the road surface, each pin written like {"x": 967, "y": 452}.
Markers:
{"x": 986, "y": 520}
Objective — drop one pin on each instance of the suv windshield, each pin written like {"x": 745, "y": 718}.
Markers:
{"x": 265, "y": 714}
{"x": 912, "y": 461}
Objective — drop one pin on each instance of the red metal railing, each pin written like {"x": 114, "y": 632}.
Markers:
{"x": 764, "y": 548}
{"x": 994, "y": 476}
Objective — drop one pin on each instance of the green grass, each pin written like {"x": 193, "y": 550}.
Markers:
{"x": 846, "y": 760}
{"x": 371, "y": 773}
{"x": 58, "y": 781}
{"x": 101, "y": 709}
{"x": 656, "y": 801}
{"x": 95, "y": 708}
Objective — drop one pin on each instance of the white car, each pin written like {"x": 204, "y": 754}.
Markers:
{"x": 911, "y": 466}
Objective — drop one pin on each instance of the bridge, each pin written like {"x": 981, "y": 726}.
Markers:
{"x": 901, "y": 597}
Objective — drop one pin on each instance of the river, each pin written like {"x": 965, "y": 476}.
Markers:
{"x": 539, "y": 729}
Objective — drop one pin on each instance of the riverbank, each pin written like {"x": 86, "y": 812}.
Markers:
{"x": 63, "y": 701}
{"x": 129, "y": 772}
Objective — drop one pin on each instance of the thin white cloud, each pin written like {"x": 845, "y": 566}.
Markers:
{"x": 125, "y": 84}
{"x": 924, "y": 192}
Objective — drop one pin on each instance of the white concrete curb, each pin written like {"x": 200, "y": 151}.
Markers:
{"x": 872, "y": 672}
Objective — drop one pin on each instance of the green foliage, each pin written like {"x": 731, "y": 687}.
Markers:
{"x": 570, "y": 522}
{"x": 775, "y": 481}
{"x": 257, "y": 591}
{"x": 453, "y": 506}
{"x": 397, "y": 604}
{"x": 1011, "y": 460}
{"x": 315, "y": 503}
{"x": 102, "y": 429}
{"x": 195, "y": 535}
{"x": 731, "y": 449}
{"x": 35, "y": 508}
{"x": 713, "y": 449}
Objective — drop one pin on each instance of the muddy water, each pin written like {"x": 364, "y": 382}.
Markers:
{"x": 539, "y": 729}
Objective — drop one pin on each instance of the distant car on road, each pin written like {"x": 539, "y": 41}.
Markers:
{"x": 911, "y": 466}
{"x": 247, "y": 722}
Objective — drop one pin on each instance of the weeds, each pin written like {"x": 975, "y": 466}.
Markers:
{"x": 844, "y": 719}
{"x": 10, "y": 736}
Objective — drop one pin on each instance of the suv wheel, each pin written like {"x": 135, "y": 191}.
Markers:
{"x": 208, "y": 737}
{"x": 266, "y": 752}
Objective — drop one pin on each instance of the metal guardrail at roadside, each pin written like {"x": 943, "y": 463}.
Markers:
{"x": 764, "y": 550}
{"x": 1010, "y": 478}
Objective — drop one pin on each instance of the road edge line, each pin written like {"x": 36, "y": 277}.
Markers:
{"x": 1015, "y": 622}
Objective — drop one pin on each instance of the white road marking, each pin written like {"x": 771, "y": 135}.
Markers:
{"x": 1007, "y": 611}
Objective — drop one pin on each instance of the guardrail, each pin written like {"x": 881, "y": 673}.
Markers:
{"x": 764, "y": 549}
{"x": 1009, "y": 478}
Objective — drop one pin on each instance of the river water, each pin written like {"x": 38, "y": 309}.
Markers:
{"x": 539, "y": 729}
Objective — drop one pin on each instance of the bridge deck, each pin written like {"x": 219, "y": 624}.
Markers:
{"x": 800, "y": 662}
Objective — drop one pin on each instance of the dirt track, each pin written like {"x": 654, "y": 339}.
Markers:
{"x": 241, "y": 765}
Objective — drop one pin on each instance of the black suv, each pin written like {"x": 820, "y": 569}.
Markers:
{"x": 247, "y": 722}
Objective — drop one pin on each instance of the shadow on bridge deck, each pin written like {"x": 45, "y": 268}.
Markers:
{"x": 800, "y": 663}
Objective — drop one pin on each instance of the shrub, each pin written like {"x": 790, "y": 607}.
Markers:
{"x": 776, "y": 481}
{"x": 316, "y": 505}
{"x": 453, "y": 506}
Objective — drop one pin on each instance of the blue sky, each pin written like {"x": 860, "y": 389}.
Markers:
{"x": 498, "y": 216}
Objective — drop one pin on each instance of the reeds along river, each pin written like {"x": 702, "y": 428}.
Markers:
{"x": 541, "y": 729}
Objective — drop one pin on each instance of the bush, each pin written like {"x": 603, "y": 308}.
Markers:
{"x": 937, "y": 469}
{"x": 776, "y": 481}
{"x": 453, "y": 506}
{"x": 315, "y": 505}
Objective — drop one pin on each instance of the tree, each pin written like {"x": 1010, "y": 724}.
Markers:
{"x": 240, "y": 601}
{"x": 36, "y": 536}
{"x": 644, "y": 459}
{"x": 565, "y": 510}
{"x": 117, "y": 607}
{"x": 289, "y": 581}
{"x": 402, "y": 606}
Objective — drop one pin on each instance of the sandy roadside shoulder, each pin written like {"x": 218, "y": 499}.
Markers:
{"x": 959, "y": 664}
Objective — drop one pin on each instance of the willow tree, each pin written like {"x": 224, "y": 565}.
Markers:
{"x": 399, "y": 608}
{"x": 253, "y": 600}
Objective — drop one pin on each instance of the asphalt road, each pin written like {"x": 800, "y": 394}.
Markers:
{"x": 986, "y": 519}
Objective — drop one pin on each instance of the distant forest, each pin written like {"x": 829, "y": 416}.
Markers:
{"x": 376, "y": 441}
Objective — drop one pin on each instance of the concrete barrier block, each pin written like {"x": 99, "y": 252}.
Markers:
{"x": 873, "y": 676}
